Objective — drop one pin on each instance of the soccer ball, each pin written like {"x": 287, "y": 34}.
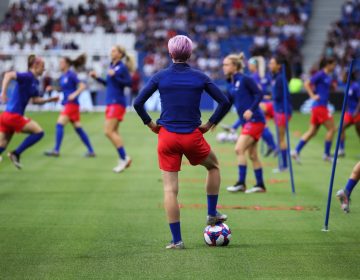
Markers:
{"x": 226, "y": 137}
{"x": 221, "y": 137}
{"x": 218, "y": 235}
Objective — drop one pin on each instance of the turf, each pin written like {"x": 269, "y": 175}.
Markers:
{"x": 72, "y": 218}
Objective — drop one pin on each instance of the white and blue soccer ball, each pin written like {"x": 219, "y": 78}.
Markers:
{"x": 226, "y": 137}
{"x": 217, "y": 235}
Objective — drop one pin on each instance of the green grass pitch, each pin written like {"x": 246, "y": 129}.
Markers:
{"x": 72, "y": 218}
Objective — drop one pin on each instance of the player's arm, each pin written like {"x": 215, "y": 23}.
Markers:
{"x": 122, "y": 76}
{"x": 8, "y": 77}
{"x": 97, "y": 78}
{"x": 224, "y": 105}
{"x": 257, "y": 93}
{"x": 309, "y": 85}
{"x": 40, "y": 100}
{"x": 139, "y": 104}
{"x": 81, "y": 87}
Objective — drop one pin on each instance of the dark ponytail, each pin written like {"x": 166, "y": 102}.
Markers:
{"x": 31, "y": 61}
{"x": 326, "y": 61}
{"x": 281, "y": 60}
{"x": 77, "y": 62}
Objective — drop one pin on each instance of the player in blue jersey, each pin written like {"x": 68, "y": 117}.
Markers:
{"x": 13, "y": 120}
{"x": 117, "y": 79}
{"x": 352, "y": 114}
{"x": 246, "y": 96}
{"x": 257, "y": 67}
{"x": 318, "y": 88}
{"x": 71, "y": 87}
{"x": 180, "y": 132}
{"x": 344, "y": 194}
{"x": 281, "y": 117}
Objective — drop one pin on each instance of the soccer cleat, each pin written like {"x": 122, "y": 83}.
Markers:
{"x": 1, "y": 158}
{"x": 344, "y": 200}
{"x": 280, "y": 170}
{"x": 52, "y": 153}
{"x": 294, "y": 154}
{"x": 219, "y": 218}
{"x": 123, "y": 164}
{"x": 328, "y": 158}
{"x": 90, "y": 155}
{"x": 341, "y": 153}
{"x": 15, "y": 159}
{"x": 237, "y": 187}
{"x": 227, "y": 128}
{"x": 178, "y": 245}
{"x": 256, "y": 189}
{"x": 270, "y": 151}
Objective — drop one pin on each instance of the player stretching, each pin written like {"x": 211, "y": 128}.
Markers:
{"x": 352, "y": 114}
{"x": 257, "y": 67}
{"x": 246, "y": 96}
{"x": 180, "y": 130}
{"x": 318, "y": 88}
{"x": 71, "y": 88}
{"x": 275, "y": 66}
{"x": 117, "y": 79}
{"x": 13, "y": 120}
{"x": 344, "y": 194}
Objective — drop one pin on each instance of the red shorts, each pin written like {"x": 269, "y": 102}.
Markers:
{"x": 319, "y": 115}
{"x": 269, "y": 110}
{"x": 115, "y": 111}
{"x": 72, "y": 111}
{"x": 10, "y": 122}
{"x": 280, "y": 119}
{"x": 172, "y": 146}
{"x": 350, "y": 119}
{"x": 255, "y": 130}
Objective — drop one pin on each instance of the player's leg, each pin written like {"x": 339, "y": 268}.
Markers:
{"x": 84, "y": 138}
{"x": 36, "y": 133}
{"x": 242, "y": 145}
{"x": 357, "y": 128}
{"x": 171, "y": 189}
{"x": 111, "y": 131}
{"x": 331, "y": 129}
{"x": 344, "y": 194}
{"x": 310, "y": 133}
{"x": 5, "y": 138}
{"x": 212, "y": 188}
{"x": 283, "y": 147}
{"x": 345, "y": 126}
{"x": 62, "y": 121}
{"x": 268, "y": 138}
{"x": 254, "y": 157}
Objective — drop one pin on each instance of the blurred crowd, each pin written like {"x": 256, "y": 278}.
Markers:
{"x": 344, "y": 35}
{"x": 220, "y": 27}
{"x": 37, "y": 24}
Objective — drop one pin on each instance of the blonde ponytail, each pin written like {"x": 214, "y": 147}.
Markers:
{"x": 238, "y": 60}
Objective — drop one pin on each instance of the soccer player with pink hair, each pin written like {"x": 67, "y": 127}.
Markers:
{"x": 180, "y": 131}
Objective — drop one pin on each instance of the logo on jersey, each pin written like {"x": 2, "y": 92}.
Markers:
{"x": 237, "y": 84}
{"x": 117, "y": 68}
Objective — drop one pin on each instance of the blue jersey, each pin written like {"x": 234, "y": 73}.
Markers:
{"x": 180, "y": 89}
{"x": 354, "y": 97}
{"x": 246, "y": 95}
{"x": 68, "y": 84}
{"x": 278, "y": 95}
{"x": 322, "y": 83}
{"x": 115, "y": 84}
{"x": 27, "y": 86}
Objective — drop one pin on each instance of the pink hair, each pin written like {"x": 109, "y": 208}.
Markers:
{"x": 180, "y": 47}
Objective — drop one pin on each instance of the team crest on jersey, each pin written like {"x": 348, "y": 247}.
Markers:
{"x": 117, "y": 68}
{"x": 237, "y": 84}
